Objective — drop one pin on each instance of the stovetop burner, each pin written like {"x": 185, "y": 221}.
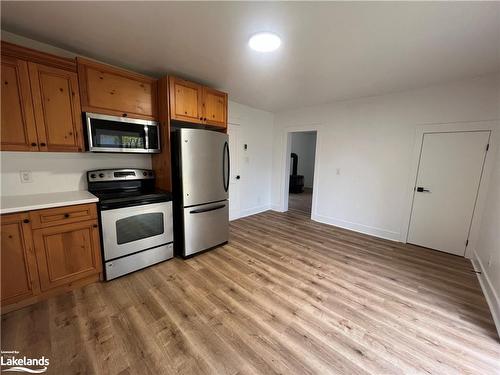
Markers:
{"x": 118, "y": 188}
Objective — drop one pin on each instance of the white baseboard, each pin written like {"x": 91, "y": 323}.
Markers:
{"x": 373, "y": 231}
{"x": 249, "y": 211}
{"x": 277, "y": 208}
{"x": 489, "y": 292}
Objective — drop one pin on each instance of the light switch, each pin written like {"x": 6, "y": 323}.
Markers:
{"x": 26, "y": 176}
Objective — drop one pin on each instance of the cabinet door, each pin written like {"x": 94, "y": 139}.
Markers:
{"x": 19, "y": 272}
{"x": 67, "y": 253}
{"x": 215, "y": 107}
{"x": 113, "y": 91}
{"x": 185, "y": 101}
{"x": 56, "y": 102}
{"x": 18, "y": 131}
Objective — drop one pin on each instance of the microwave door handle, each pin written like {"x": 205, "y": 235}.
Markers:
{"x": 146, "y": 134}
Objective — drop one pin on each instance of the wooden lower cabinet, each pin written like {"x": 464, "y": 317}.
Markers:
{"x": 19, "y": 271}
{"x": 67, "y": 253}
{"x": 41, "y": 262}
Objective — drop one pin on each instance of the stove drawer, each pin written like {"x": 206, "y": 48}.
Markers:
{"x": 62, "y": 215}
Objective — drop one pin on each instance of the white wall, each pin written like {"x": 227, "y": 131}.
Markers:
{"x": 304, "y": 145}
{"x": 255, "y": 129}
{"x": 487, "y": 252}
{"x": 54, "y": 171}
{"x": 371, "y": 141}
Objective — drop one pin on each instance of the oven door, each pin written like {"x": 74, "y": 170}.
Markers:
{"x": 131, "y": 229}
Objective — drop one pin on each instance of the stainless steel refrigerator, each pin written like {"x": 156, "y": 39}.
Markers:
{"x": 200, "y": 162}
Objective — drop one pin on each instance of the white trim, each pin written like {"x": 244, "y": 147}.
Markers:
{"x": 422, "y": 129}
{"x": 251, "y": 211}
{"x": 488, "y": 290}
{"x": 361, "y": 228}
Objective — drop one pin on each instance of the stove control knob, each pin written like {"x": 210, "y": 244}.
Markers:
{"x": 101, "y": 175}
{"x": 150, "y": 173}
{"x": 93, "y": 175}
{"x": 144, "y": 173}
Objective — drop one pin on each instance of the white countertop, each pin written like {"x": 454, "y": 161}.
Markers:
{"x": 19, "y": 203}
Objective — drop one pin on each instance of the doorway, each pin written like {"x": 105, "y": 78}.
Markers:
{"x": 446, "y": 188}
{"x": 301, "y": 176}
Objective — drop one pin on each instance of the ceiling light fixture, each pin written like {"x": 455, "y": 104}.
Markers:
{"x": 264, "y": 42}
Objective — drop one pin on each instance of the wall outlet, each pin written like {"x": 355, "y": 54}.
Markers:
{"x": 26, "y": 176}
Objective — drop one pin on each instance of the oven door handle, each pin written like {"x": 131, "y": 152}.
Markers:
{"x": 201, "y": 210}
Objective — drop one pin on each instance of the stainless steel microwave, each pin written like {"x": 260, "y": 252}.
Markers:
{"x": 121, "y": 134}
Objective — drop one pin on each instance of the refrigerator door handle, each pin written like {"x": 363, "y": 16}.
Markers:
{"x": 201, "y": 210}
{"x": 226, "y": 173}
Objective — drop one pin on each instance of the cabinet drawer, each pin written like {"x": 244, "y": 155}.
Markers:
{"x": 62, "y": 215}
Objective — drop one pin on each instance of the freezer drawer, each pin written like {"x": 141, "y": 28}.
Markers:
{"x": 205, "y": 226}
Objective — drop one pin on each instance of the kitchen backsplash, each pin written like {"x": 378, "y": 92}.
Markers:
{"x": 53, "y": 172}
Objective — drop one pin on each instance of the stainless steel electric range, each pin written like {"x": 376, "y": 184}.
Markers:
{"x": 135, "y": 219}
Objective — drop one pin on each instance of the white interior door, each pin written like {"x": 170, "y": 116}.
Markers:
{"x": 233, "y": 132}
{"x": 447, "y": 183}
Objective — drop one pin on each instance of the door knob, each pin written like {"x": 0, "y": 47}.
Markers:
{"x": 238, "y": 177}
{"x": 422, "y": 190}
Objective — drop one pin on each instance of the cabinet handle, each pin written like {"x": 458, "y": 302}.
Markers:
{"x": 124, "y": 115}
{"x": 33, "y": 144}
{"x": 66, "y": 215}
{"x": 26, "y": 221}
{"x": 201, "y": 118}
{"x": 95, "y": 225}
{"x": 43, "y": 144}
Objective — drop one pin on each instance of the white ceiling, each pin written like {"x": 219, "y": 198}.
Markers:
{"x": 329, "y": 51}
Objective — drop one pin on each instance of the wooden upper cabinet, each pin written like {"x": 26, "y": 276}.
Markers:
{"x": 56, "y": 102}
{"x": 113, "y": 91}
{"x": 191, "y": 102}
{"x": 40, "y": 101}
{"x": 67, "y": 253}
{"x": 215, "y": 107}
{"x": 18, "y": 131}
{"x": 19, "y": 278}
{"x": 186, "y": 101}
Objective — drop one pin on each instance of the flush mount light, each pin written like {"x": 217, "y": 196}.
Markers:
{"x": 264, "y": 42}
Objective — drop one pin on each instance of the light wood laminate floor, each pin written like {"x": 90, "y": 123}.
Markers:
{"x": 286, "y": 295}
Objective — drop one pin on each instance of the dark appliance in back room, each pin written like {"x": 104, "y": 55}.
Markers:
{"x": 136, "y": 219}
{"x": 200, "y": 170}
